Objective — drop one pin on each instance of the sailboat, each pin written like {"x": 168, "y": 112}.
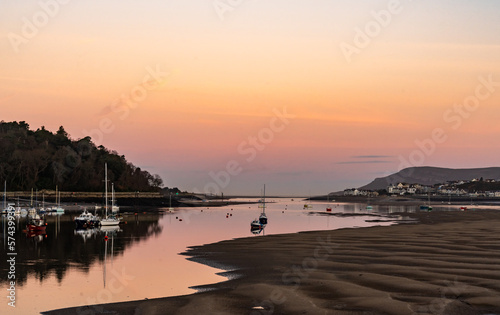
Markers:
{"x": 57, "y": 209}
{"x": 114, "y": 208}
{"x": 328, "y": 207}
{"x": 262, "y": 221}
{"x": 111, "y": 219}
{"x": 307, "y": 205}
{"x": 170, "y": 209}
{"x": 7, "y": 208}
{"x": 427, "y": 207}
{"x": 368, "y": 206}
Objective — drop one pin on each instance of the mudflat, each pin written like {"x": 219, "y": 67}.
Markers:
{"x": 447, "y": 263}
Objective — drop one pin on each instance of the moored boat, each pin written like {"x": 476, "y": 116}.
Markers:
{"x": 86, "y": 220}
{"x": 256, "y": 224}
{"x": 262, "y": 221}
{"x": 36, "y": 223}
{"x": 58, "y": 209}
{"x": 109, "y": 220}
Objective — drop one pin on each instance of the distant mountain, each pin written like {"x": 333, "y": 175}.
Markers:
{"x": 432, "y": 175}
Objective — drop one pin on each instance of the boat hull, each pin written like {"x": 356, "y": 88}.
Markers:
{"x": 83, "y": 224}
{"x": 110, "y": 222}
{"x": 36, "y": 228}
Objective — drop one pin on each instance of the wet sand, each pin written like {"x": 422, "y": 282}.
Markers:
{"x": 449, "y": 263}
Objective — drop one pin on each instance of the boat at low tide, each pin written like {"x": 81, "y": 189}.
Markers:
{"x": 262, "y": 221}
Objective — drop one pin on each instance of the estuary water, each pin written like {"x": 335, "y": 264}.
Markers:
{"x": 141, "y": 259}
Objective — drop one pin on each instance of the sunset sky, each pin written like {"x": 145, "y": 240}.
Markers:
{"x": 307, "y": 97}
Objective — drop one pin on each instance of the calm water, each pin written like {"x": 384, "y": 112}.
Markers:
{"x": 141, "y": 259}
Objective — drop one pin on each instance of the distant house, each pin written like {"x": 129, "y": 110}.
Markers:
{"x": 412, "y": 190}
{"x": 357, "y": 192}
{"x": 393, "y": 190}
{"x": 351, "y": 192}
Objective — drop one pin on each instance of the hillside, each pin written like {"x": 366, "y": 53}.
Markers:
{"x": 432, "y": 175}
{"x": 41, "y": 160}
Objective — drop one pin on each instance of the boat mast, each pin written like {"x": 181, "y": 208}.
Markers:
{"x": 264, "y": 200}
{"x": 106, "y": 189}
{"x": 4, "y": 194}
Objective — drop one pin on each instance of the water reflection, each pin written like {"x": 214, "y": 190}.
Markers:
{"x": 62, "y": 247}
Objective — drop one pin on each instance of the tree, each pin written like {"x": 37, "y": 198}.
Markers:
{"x": 157, "y": 181}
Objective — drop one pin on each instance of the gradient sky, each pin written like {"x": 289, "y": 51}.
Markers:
{"x": 225, "y": 70}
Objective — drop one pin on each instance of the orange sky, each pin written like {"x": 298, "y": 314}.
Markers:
{"x": 226, "y": 77}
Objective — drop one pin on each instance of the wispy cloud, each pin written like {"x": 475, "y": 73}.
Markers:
{"x": 291, "y": 173}
{"x": 365, "y": 162}
{"x": 369, "y": 159}
{"x": 372, "y": 156}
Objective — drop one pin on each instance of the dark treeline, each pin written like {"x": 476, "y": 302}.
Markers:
{"x": 41, "y": 159}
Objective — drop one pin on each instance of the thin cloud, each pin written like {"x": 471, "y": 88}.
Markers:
{"x": 372, "y": 156}
{"x": 365, "y": 162}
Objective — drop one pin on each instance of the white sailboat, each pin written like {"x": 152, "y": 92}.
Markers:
{"x": 170, "y": 209}
{"x": 111, "y": 219}
{"x": 114, "y": 208}
{"x": 58, "y": 209}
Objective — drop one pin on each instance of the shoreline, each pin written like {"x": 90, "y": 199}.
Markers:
{"x": 412, "y": 200}
{"x": 447, "y": 263}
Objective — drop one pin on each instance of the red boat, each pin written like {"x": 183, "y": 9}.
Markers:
{"x": 30, "y": 233}
{"x": 36, "y": 224}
